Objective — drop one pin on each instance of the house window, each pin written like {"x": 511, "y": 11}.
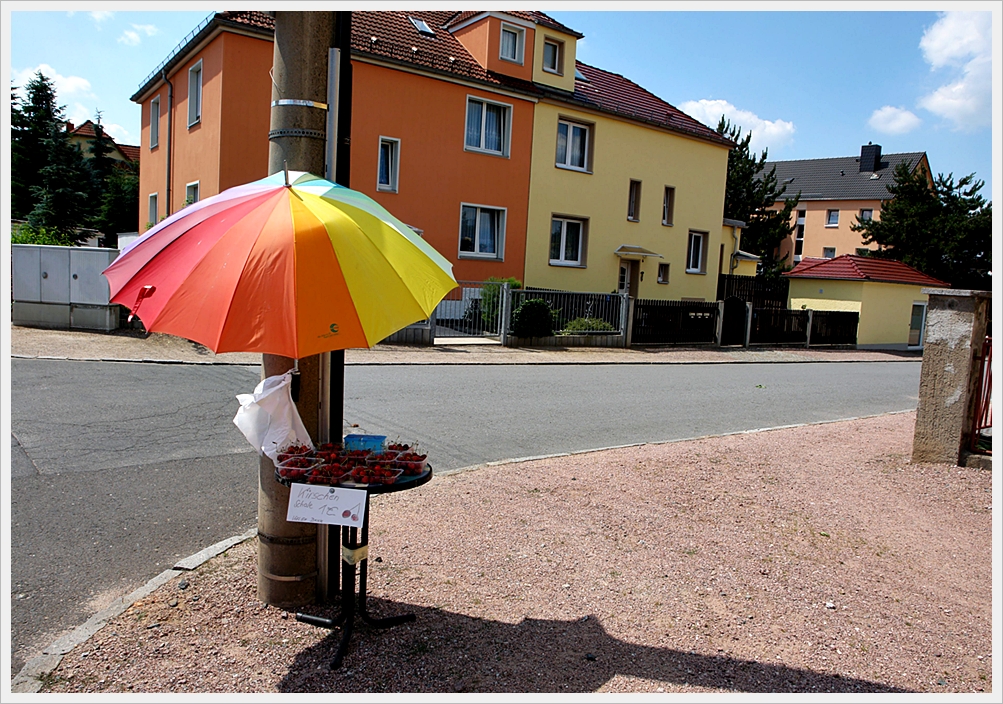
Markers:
{"x": 192, "y": 193}
{"x": 512, "y": 43}
{"x": 487, "y": 126}
{"x": 422, "y": 27}
{"x": 572, "y": 145}
{"x": 567, "y": 242}
{"x": 663, "y": 273}
{"x": 634, "y": 201}
{"x": 482, "y": 231}
{"x": 832, "y": 218}
{"x": 389, "y": 164}
{"x": 696, "y": 253}
{"x": 866, "y": 214}
{"x": 829, "y": 252}
{"x": 153, "y": 212}
{"x": 553, "y": 56}
{"x": 799, "y": 234}
{"x": 668, "y": 205}
{"x": 154, "y": 123}
{"x": 195, "y": 93}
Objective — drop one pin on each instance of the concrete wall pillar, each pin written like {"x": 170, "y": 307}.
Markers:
{"x": 955, "y": 330}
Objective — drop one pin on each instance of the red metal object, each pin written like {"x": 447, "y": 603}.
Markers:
{"x": 983, "y": 404}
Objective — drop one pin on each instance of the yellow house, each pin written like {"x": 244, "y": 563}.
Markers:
{"x": 626, "y": 192}
{"x": 886, "y": 293}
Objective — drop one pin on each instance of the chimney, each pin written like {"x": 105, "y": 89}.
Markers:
{"x": 870, "y": 157}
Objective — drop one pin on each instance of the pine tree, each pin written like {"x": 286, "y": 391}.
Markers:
{"x": 32, "y": 119}
{"x": 100, "y": 164}
{"x": 62, "y": 198}
{"x": 944, "y": 231}
{"x": 750, "y": 196}
{"x": 119, "y": 209}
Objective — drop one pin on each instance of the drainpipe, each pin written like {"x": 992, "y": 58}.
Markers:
{"x": 170, "y": 134}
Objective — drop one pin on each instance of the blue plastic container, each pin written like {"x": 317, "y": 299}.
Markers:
{"x": 373, "y": 443}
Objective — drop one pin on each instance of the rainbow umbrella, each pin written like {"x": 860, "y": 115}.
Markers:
{"x": 291, "y": 265}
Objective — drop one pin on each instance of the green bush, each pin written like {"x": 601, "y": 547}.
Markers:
{"x": 491, "y": 299}
{"x": 581, "y": 325}
{"x": 26, "y": 234}
{"x": 533, "y": 318}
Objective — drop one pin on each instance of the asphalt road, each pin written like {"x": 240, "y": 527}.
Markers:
{"x": 120, "y": 469}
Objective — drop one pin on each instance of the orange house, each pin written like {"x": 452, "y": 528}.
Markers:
{"x": 432, "y": 92}
{"x": 205, "y": 117}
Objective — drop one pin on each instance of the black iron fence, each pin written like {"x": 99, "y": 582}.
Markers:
{"x": 834, "y": 327}
{"x": 577, "y": 312}
{"x": 757, "y": 290}
{"x": 674, "y": 322}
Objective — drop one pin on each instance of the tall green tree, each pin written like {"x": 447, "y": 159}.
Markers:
{"x": 751, "y": 195}
{"x": 100, "y": 163}
{"x": 944, "y": 230}
{"x": 119, "y": 209}
{"x": 33, "y": 116}
{"x": 62, "y": 198}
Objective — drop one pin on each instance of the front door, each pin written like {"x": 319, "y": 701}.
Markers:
{"x": 623, "y": 283}
{"x": 916, "y": 324}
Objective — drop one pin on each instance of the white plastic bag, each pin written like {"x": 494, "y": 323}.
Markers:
{"x": 268, "y": 417}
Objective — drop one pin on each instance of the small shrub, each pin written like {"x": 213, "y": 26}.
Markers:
{"x": 491, "y": 300}
{"x": 26, "y": 234}
{"x": 533, "y": 318}
{"x": 582, "y": 325}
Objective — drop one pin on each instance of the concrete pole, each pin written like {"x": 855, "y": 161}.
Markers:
{"x": 287, "y": 552}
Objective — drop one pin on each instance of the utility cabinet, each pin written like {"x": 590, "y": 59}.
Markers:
{"x": 62, "y": 287}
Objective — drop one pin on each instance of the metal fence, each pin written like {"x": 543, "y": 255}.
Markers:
{"x": 773, "y": 327}
{"x": 833, "y": 327}
{"x": 575, "y": 312}
{"x": 759, "y": 291}
{"x": 658, "y": 322}
{"x": 474, "y": 308}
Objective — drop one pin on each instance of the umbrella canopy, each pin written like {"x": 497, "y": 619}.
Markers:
{"x": 291, "y": 265}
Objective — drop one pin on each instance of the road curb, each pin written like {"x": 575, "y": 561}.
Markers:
{"x": 29, "y": 679}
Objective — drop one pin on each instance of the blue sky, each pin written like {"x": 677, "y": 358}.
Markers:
{"x": 817, "y": 82}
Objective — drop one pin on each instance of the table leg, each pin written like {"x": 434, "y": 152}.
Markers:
{"x": 363, "y": 574}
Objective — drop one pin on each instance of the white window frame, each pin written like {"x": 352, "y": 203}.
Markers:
{"x": 587, "y": 156}
{"x": 828, "y": 218}
{"x": 153, "y": 208}
{"x": 702, "y": 238}
{"x": 634, "y": 201}
{"x": 558, "y": 68}
{"x": 506, "y": 127}
{"x": 520, "y": 43}
{"x": 582, "y": 240}
{"x": 422, "y": 26}
{"x": 669, "y": 206}
{"x": 155, "y": 122}
{"x": 499, "y": 253}
{"x": 395, "y": 149}
{"x": 799, "y": 234}
{"x": 195, "y": 94}
{"x": 188, "y": 187}
{"x": 827, "y": 249}
{"x": 663, "y": 273}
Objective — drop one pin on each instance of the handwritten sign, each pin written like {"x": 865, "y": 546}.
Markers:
{"x": 311, "y": 503}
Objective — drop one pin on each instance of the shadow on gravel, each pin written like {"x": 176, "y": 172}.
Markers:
{"x": 449, "y": 652}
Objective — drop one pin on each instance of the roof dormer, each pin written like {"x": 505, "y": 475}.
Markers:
{"x": 555, "y": 62}
{"x": 499, "y": 41}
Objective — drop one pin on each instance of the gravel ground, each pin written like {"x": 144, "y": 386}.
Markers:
{"x": 811, "y": 559}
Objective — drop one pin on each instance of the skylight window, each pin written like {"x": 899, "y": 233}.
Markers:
{"x": 579, "y": 76}
{"x": 422, "y": 27}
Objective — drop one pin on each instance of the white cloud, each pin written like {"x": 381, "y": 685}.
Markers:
{"x": 118, "y": 133}
{"x": 961, "y": 43}
{"x": 78, "y": 113}
{"x": 66, "y": 86}
{"x": 766, "y": 134}
{"x": 957, "y": 36}
{"x": 892, "y": 120}
{"x": 100, "y": 16}
{"x": 131, "y": 37}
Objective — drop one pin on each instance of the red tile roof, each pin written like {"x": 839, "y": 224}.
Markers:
{"x": 86, "y": 130}
{"x": 397, "y": 40}
{"x": 855, "y": 268}
{"x": 131, "y": 152}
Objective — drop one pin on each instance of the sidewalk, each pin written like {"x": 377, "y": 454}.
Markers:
{"x": 133, "y": 346}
